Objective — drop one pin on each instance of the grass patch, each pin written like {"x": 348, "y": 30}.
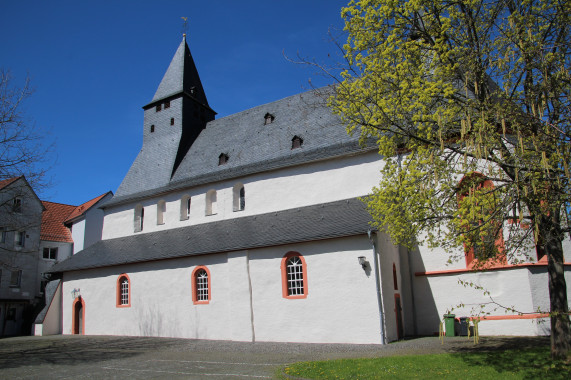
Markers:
{"x": 533, "y": 363}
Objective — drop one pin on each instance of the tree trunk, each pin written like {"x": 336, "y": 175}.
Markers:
{"x": 560, "y": 329}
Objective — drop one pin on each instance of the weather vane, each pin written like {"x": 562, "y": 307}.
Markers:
{"x": 184, "y": 26}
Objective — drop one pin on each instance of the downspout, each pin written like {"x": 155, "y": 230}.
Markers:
{"x": 372, "y": 234}
{"x": 413, "y": 303}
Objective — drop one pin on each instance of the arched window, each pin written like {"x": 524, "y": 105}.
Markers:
{"x": 123, "y": 291}
{"x": 239, "y": 197}
{"x": 139, "y": 218}
{"x": 483, "y": 239}
{"x": 211, "y": 208}
{"x": 294, "y": 276}
{"x": 161, "y": 210}
{"x": 185, "y": 207}
{"x": 201, "y": 285}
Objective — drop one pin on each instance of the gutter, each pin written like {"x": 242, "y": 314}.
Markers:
{"x": 372, "y": 235}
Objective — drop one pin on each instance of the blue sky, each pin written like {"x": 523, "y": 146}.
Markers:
{"x": 95, "y": 64}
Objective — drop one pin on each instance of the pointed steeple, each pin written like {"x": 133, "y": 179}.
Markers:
{"x": 181, "y": 77}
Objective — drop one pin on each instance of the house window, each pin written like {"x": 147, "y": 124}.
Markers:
{"x": 2, "y": 234}
{"x": 20, "y": 238}
{"x": 185, "y": 207}
{"x": 167, "y": 104}
{"x": 483, "y": 239}
{"x": 211, "y": 208}
{"x": 172, "y": 120}
{"x": 201, "y": 285}
{"x": 158, "y": 108}
{"x": 15, "y": 278}
{"x": 50, "y": 253}
{"x": 268, "y": 118}
{"x": 296, "y": 142}
{"x": 294, "y": 276}
{"x": 17, "y": 205}
{"x": 161, "y": 210}
{"x": 139, "y": 218}
{"x": 222, "y": 159}
{"x": 152, "y": 128}
{"x": 123, "y": 291}
{"x": 239, "y": 197}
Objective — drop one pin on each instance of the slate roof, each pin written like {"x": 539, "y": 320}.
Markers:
{"x": 53, "y": 218}
{"x": 324, "y": 221}
{"x": 50, "y": 292}
{"x": 83, "y": 208}
{"x": 254, "y": 147}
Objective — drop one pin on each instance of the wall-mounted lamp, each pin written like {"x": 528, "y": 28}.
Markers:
{"x": 75, "y": 293}
{"x": 363, "y": 261}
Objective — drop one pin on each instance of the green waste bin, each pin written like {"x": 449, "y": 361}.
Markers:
{"x": 449, "y": 324}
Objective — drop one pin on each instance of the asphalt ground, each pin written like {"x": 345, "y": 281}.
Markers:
{"x": 112, "y": 357}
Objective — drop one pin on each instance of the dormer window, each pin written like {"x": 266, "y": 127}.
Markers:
{"x": 268, "y": 118}
{"x": 172, "y": 120}
{"x": 296, "y": 142}
{"x": 152, "y": 128}
{"x": 223, "y": 159}
{"x": 167, "y": 104}
{"x": 158, "y": 108}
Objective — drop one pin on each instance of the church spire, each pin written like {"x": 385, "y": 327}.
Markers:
{"x": 181, "y": 77}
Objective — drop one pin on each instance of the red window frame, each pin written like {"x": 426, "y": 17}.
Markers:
{"x": 285, "y": 282}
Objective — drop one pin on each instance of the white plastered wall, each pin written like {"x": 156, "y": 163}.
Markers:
{"x": 246, "y": 297}
{"x": 303, "y": 185}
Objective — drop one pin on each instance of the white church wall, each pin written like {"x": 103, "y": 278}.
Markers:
{"x": 341, "y": 304}
{"x": 439, "y": 294}
{"x": 246, "y": 297}
{"x": 304, "y": 185}
{"x": 161, "y": 300}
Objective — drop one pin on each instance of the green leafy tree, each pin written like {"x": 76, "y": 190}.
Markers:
{"x": 469, "y": 103}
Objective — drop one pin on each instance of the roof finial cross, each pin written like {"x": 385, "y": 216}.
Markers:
{"x": 184, "y": 26}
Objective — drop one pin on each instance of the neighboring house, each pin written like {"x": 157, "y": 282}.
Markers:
{"x": 65, "y": 230}
{"x": 86, "y": 222}
{"x": 249, "y": 228}
{"x": 20, "y": 221}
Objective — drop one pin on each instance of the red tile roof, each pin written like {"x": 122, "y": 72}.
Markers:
{"x": 53, "y": 217}
{"x": 82, "y": 209}
{"x": 8, "y": 181}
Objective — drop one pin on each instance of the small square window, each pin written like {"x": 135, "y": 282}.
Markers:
{"x": 296, "y": 142}
{"x": 158, "y": 108}
{"x": 167, "y": 104}
{"x": 50, "y": 253}
{"x": 20, "y": 238}
{"x": 15, "y": 278}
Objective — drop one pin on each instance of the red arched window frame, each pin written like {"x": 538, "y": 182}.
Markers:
{"x": 123, "y": 295}
{"x": 499, "y": 242}
{"x": 198, "y": 297}
{"x": 290, "y": 280}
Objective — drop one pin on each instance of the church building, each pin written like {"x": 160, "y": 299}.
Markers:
{"x": 250, "y": 228}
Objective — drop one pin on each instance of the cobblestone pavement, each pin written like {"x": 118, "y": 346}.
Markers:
{"x": 111, "y": 357}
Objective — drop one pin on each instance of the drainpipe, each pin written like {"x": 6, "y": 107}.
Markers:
{"x": 371, "y": 235}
